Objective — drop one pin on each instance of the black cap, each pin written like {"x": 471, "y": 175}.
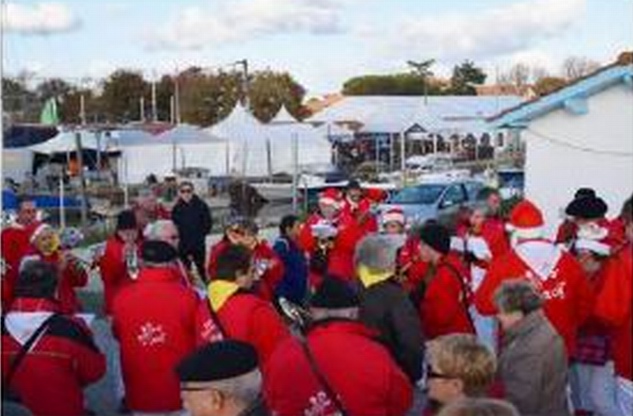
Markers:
{"x": 587, "y": 207}
{"x": 582, "y": 192}
{"x": 353, "y": 184}
{"x": 126, "y": 220}
{"x": 436, "y": 236}
{"x": 37, "y": 279}
{"x": 334, "y": 293}
{"x": 217, "y": 361}
{"x": 158, "y": 252}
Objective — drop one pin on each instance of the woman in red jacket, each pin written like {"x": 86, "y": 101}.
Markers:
{"x": 443, "y": 296}
{"x": 45, "y": 246}
{"x": 50, "y": 379}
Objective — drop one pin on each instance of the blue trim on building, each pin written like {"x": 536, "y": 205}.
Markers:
{"x": 572, "y": 97}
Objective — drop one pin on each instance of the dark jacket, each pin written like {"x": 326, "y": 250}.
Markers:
{"x": 193, "y": 220}
{"x": 386, "y": 308}
{"x": 533, "y": 367}
{"x": 294, "y": 283}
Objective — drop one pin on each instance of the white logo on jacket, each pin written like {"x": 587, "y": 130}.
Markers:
{"x": 320, "y": 405}
{"x": 151, "y": 335}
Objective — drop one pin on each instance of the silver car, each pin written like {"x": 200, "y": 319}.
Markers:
{"x": 440, "y": 200}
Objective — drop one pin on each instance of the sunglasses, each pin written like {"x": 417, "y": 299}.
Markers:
{"x": 186, "y": 191}
{"x": 430, "y": 374}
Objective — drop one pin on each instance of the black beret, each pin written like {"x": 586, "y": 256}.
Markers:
{"x": 582, "y": 192}
{"x": 217, "y": 361}
{"x": 436, "y": 236}
{"x": 158, "y": 252}
{"x": 126, "y": 220}
{"x": 334, "y": 293}
{"x": 587, "y": 207}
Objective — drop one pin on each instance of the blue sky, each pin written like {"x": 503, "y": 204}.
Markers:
{"x": 321, "y": 42}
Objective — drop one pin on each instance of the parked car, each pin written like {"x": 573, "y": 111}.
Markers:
{"x": 440, "y": 200}
{"x": 511, "y": 182}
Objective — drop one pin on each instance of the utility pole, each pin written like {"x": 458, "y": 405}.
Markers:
{"x": 141, "y": 106}
{"x": 154, "y": 110}
{"x": 244, "y": 63}
{"x": 177, "y": 96}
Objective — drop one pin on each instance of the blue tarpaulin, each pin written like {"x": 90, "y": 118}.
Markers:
{"x": 10, "y": 201}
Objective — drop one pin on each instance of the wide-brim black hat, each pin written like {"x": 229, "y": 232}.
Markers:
{"x": 588, "y": 207}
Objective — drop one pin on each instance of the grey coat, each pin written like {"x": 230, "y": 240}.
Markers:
{"x": 533, "y": 367}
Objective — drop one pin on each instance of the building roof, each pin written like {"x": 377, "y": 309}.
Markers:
{"x": 436, "y": 114}
{"x": 571, "y": 96}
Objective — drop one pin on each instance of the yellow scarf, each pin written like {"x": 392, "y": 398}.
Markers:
{"x": 370, "y": 277}
{"x": 220, "y": 291}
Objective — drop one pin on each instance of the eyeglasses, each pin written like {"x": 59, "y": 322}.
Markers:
{"x": 430, "y": 373}
{"x": 186, "y": 191}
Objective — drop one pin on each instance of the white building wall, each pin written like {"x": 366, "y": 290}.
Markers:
{"x": 554, "y": 171}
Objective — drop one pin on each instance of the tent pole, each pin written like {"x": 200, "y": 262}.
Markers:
{"x": 62, "y": 210}
{"x": 82, "y": 181}
{"x": 295, "y": 170}
{"x": 403, "y": 156}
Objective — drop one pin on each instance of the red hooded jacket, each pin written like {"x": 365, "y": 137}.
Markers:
{"x": 568, "y": 296}
{"x": 15, "y": 245}
{"x": 360, "y": 371}
{"x": 154, "y": 321}
{"x": 51, "y": 378}
{"x": 113, "y": 270}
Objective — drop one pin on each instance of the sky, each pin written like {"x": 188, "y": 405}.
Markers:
{"x": 320, "y": 42}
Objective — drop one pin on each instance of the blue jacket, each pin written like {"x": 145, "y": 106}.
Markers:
{"x": 294, "y": 284}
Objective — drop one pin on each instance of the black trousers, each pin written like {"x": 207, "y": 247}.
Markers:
{"x": 198, "y": 256}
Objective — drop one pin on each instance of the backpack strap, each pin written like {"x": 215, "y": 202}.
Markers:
{"x": 464, "y": 287}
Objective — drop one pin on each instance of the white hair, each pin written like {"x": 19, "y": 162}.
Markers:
{"x": 377, "y": 252}
{"x": 243, "y": 389}
{"x": 154, "y": 231}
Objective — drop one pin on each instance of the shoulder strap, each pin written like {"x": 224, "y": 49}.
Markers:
{"x": 216, "y": 320}
{"x": 24, "y": 351}
{"x": 321, "y": 377}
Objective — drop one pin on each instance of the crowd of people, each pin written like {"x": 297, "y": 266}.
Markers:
{"x": 346, "y": 313}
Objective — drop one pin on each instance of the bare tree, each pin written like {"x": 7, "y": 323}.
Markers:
{"x": 518, "y": 75}
{"x": 576, "y": 67}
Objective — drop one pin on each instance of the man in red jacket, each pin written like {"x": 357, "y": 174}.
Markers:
{"x": 61, "y": 362}
{"x": 154, "y": 321}
{"x": 443, "y": 295}
{"x": 357, "y": 206}
{"x": 555, "y": 273}
{"x": 233, "y": 311}
{"x": 362, "y": 377}
{"x": 119, "y": 264}
{"x": 15, "y": 244}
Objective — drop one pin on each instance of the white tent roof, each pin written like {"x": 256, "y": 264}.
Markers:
{"x": 237, "y": 126}
{"x": 187, "y": 133}
{"x": 283, "y": 117}
{"x": 65, "y": 142}
{"x": 333, "y": 132}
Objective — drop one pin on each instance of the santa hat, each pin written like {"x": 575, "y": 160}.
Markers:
{"x": 330, "y": 196}
{"x": 393, "y": 215}
{"x": 593, "y": 237}
{"x": 526, "y": 220}
{"x": 40, "y": 229}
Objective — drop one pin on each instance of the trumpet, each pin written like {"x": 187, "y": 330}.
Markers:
{"x": 297, "y": 315}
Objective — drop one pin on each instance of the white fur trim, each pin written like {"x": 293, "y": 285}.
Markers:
{"x": 527, "y": 233}
{"x": 393, "y": 217}
{"x": 39, "y": 230}
{"x": 593, "y": 245}
{"x": 328, "y": 201}
{"x": 591, "y": 231}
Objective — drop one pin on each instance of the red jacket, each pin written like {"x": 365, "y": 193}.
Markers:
{"x": 247, "y": 318}
{"x": 444, "y": 308}
{"x": 154, "y": 321}
{"x": 614, "y": 306}
{"x": 341, "y": 256}
{"x": 410, "y": 264}
{"x": 113, "y": 270}
{"x": 15, "y": 245}
{"x": 361, "y": 213}
{"x": 269, "y": 267}
{"x": 360, "y": 371}
{"x": 51, "y": 378}
{"x": 568, "y": 296}
{"x": 70, "y": 277}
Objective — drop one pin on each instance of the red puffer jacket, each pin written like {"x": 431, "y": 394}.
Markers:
{"x": 113, "y": 270}
{"x": 15, "y": 245}
{"x": 154, "y": 321}
{"x": 359, "y": 370}
{"x": 245, "y": 317}
{"x": 51, "y": 378}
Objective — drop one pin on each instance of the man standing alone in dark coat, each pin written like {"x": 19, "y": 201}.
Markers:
{"x": 193, "y": 220}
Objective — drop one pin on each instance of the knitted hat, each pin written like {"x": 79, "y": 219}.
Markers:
{"x": 158, "y": 252}
{"x": 126, "y": 220}
{"x": 333, "y": 293}
{"x": 218, "y": 361}
{"x": 38, "y": 279}
{"x": 587, "y": 207}
{"x": 436, "y": 236}
{"x": 393, "y": 215}
{"x": 330, "y": 196}
{"x": 526, "y": 220}
{"x": 353, "y": 184}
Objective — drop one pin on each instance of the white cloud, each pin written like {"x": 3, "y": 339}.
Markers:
{"x": 235, "y": 21}
{"x": 499, "y": 31}
{"x": 40, "y": 19}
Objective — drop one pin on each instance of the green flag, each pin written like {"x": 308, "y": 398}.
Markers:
{"x": 49, "y": 112}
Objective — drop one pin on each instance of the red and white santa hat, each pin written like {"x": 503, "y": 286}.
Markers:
{"x": 526, "y": 220}
{"x": 393, "y": 215}
{"x": 38, "y": 231}
{"x": 330, "y": 196}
